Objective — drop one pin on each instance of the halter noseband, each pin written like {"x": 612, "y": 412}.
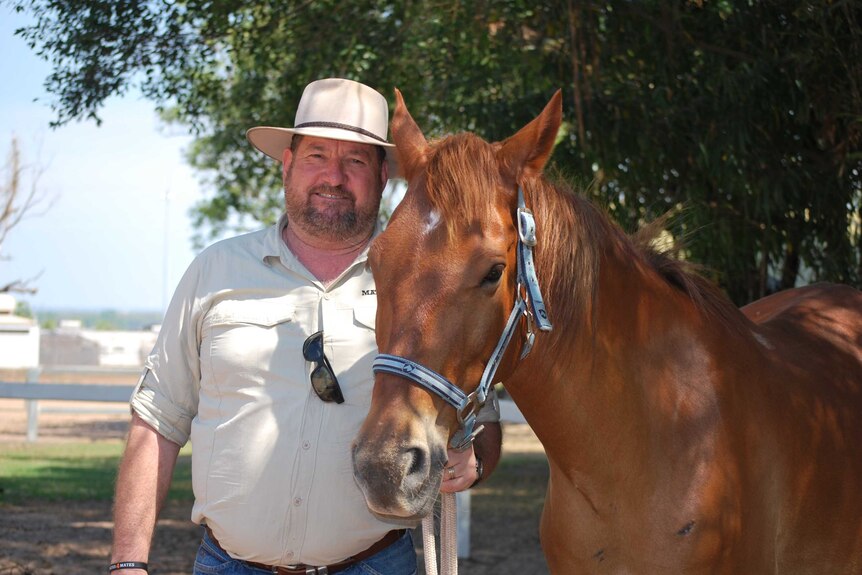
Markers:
{"x": 528, "y": 303}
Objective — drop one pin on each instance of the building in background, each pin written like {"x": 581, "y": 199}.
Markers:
{"x": 19, "y": 337}
{"x": 70, "y": 344}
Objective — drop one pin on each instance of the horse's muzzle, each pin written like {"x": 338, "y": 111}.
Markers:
{"x": 399, "y": 475}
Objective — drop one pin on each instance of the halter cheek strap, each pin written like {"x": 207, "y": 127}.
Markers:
{"x": 526, "y": 267}
{"x": 528, "y": 303}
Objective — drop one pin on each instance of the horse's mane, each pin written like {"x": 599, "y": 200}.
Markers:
{"x": 575, "y": 231}
{"x": 462, "y": 170}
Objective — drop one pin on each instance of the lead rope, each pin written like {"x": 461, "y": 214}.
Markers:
{"x": 448, "y": 538}
{"x": 429, "y": 546}
{"x": 448, "y": 535}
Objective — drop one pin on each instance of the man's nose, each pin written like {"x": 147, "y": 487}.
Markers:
{"x": 333, "y": 172}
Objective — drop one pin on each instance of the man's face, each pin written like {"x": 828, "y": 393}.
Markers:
{"x": 332, "y": 188}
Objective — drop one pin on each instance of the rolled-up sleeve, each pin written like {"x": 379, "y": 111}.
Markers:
{"x": 166, "y": 396}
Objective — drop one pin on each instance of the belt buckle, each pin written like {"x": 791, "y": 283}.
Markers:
{"x": 309, "y": 569}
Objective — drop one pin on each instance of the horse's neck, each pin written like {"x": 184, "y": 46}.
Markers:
{"x": 593, "y": 385}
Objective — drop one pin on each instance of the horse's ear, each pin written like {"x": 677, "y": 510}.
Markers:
{"x": 410, "y": 143}
{"x": 526, "y": 153}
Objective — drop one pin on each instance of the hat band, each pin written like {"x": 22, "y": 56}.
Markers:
{"x": 340, "y": 126}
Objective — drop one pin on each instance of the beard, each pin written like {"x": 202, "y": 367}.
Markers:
{"x": 336, "y": 223}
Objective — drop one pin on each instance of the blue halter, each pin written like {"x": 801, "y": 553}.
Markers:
{"x": 528, "y": 303}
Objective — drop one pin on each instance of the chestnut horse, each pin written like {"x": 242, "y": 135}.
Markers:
{"x": 682, "y": 434}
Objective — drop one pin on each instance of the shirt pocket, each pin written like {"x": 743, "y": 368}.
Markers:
{"x": 255, "y": 312}
{"x": 250, "y": 338}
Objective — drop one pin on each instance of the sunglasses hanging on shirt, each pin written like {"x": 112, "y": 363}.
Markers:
{"x": 323, "y": 380}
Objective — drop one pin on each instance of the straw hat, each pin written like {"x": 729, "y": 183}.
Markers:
{"x": 333, "y": 108}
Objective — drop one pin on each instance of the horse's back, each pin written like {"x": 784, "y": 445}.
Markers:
{"x": 826, "y": 317}
{"x": 810, "y": 342}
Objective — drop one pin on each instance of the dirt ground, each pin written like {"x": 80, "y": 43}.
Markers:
{"x": 74, "y": 538}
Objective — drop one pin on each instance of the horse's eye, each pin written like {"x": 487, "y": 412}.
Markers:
{"x": 494, "y": 274}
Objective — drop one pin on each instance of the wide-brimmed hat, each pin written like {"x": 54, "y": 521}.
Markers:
{"x": 332, "y": 108}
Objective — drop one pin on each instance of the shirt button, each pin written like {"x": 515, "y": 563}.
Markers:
{"x": 306, "y": 444}
{"x": 297, "y": 501}
{"x": 289, "y": 555}
{"x": 326, "y": 296}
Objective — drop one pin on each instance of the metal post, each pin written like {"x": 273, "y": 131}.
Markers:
{"x": 462, "y": 503}
{"x": 32, "y": 406}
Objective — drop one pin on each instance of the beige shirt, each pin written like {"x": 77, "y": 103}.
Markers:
{"x": 271, "y": 464}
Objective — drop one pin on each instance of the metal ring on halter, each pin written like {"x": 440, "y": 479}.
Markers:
{"x": 470, "y": 406}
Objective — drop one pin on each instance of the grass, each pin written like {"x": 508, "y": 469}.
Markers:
{"x": 72, "y": 472}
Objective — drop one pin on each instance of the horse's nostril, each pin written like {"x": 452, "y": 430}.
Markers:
{"x": 416, "y": 460}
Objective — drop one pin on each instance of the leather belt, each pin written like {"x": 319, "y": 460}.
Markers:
{"x": 301, "y": 569}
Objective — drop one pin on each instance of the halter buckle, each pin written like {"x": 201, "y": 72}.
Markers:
{"x": 529, "y": 340}
{"x": 471, "y": 405}
{"x": 527, "y": 227}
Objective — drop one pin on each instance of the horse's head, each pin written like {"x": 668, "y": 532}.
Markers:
{"x": 445, "y": 272}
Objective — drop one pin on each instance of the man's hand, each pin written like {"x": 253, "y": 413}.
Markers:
{"x": 460, "y": 471}
{"x": 486, "y": 446}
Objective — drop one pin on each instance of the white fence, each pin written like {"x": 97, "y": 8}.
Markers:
{"x": 33, "y": 390}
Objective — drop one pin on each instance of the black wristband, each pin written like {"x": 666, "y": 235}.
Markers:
{"x": 127, "y": 565}
{"x": 479, "y": 470}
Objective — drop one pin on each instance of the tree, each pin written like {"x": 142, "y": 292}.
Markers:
{"x": 755, "y": 112}
{"x": 15, "y": 205}
{"x": 744, "y": 117}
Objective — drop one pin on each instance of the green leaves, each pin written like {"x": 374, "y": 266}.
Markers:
{"x": 747, "y": 113}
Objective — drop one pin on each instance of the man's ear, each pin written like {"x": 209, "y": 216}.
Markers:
{"x": 286, "y": 158}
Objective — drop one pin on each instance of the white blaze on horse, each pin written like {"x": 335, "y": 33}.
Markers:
{"x": 683, "y": 435}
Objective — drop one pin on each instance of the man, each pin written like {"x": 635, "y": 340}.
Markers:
{"x": 264, "y": 362}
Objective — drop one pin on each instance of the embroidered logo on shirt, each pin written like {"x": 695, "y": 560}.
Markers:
{"x": 369, "y": 292}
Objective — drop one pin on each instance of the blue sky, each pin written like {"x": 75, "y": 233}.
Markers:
{"x": 102, "y": 243}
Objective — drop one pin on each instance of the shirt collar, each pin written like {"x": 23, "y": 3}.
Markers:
{"x": 274, "y": 247}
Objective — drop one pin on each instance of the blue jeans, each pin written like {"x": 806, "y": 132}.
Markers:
{"x": 397, "y": 559}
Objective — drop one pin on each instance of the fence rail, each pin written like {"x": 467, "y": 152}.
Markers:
{"x": 66, "y": 391}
